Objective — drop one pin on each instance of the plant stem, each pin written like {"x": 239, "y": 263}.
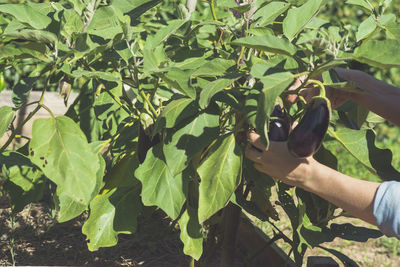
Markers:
{"x": 231, "y": 223}
{"x": 322, "y": 91}
{"x": 37, "y": 108}
{"x": 19, "y": 128}
{"x": 48, "y": 110}
{"x": 214, "y": 15}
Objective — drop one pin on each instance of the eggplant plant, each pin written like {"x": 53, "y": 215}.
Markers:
{"x": 167, "y": 91}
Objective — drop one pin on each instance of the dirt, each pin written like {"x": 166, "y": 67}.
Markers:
{"x": 36, "y": 239}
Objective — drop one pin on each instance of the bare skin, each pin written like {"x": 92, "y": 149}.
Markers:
{"x": 353, "y": 195}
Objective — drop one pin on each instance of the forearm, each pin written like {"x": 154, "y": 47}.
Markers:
{"x": 352, "y": 195}
{"x": 377, "y": 96}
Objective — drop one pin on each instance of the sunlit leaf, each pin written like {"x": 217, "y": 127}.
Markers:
{"x": 220, "y": 175}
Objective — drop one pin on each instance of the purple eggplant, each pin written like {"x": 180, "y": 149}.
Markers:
{"x": 279, "y": 125}
{"x": 307, "y": 137}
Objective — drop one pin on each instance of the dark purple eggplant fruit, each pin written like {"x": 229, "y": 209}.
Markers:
{"x": 279, "y": 125}
{"x": 307, "y": 137}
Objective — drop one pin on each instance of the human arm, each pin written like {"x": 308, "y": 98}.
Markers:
{"x": 352, "y": 195}
{"x": 377, "y": 96}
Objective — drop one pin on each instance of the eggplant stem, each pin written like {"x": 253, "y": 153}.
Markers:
{"x": 322, "y": 90}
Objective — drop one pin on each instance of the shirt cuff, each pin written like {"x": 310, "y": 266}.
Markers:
{"x": 387, "y": 208}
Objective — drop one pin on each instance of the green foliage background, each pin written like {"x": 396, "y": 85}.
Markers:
{"x": 166, "y": 96}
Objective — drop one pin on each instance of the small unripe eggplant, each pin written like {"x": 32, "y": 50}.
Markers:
{"x": 307, "y": 137}
{"x": 279, "y": 125}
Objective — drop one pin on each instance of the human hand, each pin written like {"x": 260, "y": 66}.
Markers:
{"x": 278, "y": 162}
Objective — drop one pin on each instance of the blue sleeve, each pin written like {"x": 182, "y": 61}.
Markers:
{"x": 387, "y": 208}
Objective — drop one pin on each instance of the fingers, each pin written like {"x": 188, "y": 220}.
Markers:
{"x": 293, "y": 98}
{"x": 253, "y": 154}
{"x": 254, "y": 139}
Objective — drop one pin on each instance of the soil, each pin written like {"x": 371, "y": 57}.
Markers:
{"x": 36, "y": 239}
{"x": 33, "y": 238}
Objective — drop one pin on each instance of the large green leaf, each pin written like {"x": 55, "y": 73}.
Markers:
{"x": 366, "y": 28}
{"x": 24, "y": 181}
{"x": 383, "y": 54}
{"x": 159, "y": 187}
{"x": 191, "y": 233}
{"x": 111, "y": 214}
{"x": 274, "y": 85}
{"x": 361, "y": 145}
{"x": 104, "y": 104}
{"x": 360, "y": 3}
{"x": 180, "y": 80}
{"x": 181, "y": 145}
{"x": 6, "y": 115}
{"x": 60, "y": 149}
{"x": 25, "y": 50}
{"x": 154, "y": 59}
{"x": 96, "y": 74}
{"x": 105, "y": 22}
{"x": 126, "y": 5}
{"x": 297, "y": 18}
{"x": 26, "y": 14}
{"x": 22, "y": 90}
{"x": 268, "y": 43}
{"x": 268, "y": 13}
{"x": 34, "y": 35}
{"x": 176, "y": 111}
{"x": 214, "y": 67}
{"x": 211, "y": 89}
{"x": 220, "y": 175}
{"x": 155, "y": 40}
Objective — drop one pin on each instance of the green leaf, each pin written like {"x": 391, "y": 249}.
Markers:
{"x": 214, "y": 67}
{"x": 153, "y": 59}
{"x": 126, "y": 6}
{"x": 6, "y": 115}
{"x": 361, "y": 145}
{"x": 181, "y": 145}
{"x": 360, "y": 3}
{"x": 367, "y": 27}
{"x": 274, "y": 85}
{"x": 25, "y": 50}
{"x": 268, "y": 43}
{"x": 104, "y": 104}
{"x": 176, "y": 111}
{"x": 78, "y": 5}
{"x": 159, "y": 187}
{"x": 111, "y": 214}
{"x": 297, "y": 18}
{"x": 105, "y": 22}
{"x": 22, "y": 90}
{"x": 268, "y": 13}
{"x": 242, "y": 8}
{"x": 191, "y": 233}
{"x": 39, "y": 36}
{"x": 211, "y": 89}
{"x": 26, "y": 14}
{"x": 96, "y": 74}
{"x": 392, "y": 29}
{"x": 24, "y": 181}
{"x": 60, "y": 149}
{"x": 220, "y": 175}
{"x": 155, "y": 40}
{"x": 180, "y": 80}
{"x": 383, "y": 54}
